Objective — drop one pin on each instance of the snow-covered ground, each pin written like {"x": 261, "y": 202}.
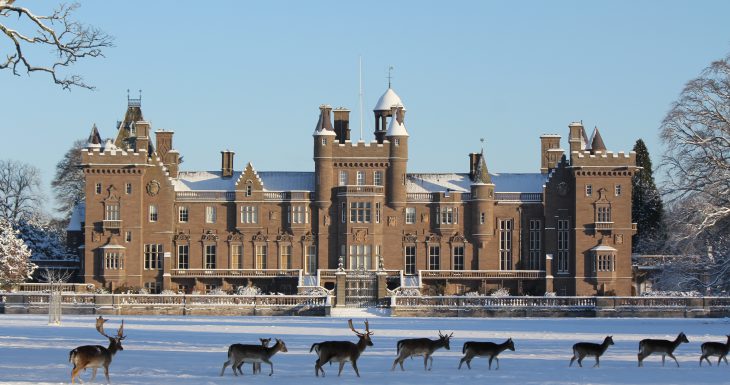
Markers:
{"x": 191, "y": 350}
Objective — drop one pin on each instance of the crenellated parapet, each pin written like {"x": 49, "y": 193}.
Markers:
{"x": 602, "y": 159}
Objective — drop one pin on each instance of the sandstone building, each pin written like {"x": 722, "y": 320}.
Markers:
{"x": 146, "y": 223}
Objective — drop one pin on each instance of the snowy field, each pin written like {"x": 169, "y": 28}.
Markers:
{"x": 191, "y": 350}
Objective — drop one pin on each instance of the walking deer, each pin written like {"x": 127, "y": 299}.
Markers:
{"x": 583, "y": 349}
{"x": 420, "y": 347}
{"x": 342, "y": 351}
{"x": 96, "y": 356}
{"x": 663, "y": 347}
{"x": 256, "y": 365}
{"x": 715, "y": 349}
{"x": 473, "y": 349}
{"x": 238, "y": 354}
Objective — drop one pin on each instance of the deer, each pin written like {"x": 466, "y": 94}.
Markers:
{"x": 342, "y": 351}
{"x": 473, "y": 349}
{"x": 420, "y": 347}
{"x": 583, "y": 349}
{"x": 663, "y": 347}
{"x": 256, "y": 365}
{"x": 715, "y": 349}
{"x": 96, "y": 356}
{"x": 238, "y": 354}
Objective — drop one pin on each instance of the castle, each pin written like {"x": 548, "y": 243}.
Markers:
{"x": 359, "y": 223}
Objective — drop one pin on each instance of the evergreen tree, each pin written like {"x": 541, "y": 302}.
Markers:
{"x": 68, "y": 183}
{"x": 15, "y": 265}
{"x": 647, "y": 209}
{"x": 43, "y": 240}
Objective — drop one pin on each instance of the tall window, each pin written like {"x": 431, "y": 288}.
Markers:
{"x": 236, "y": 256}
{"x": 434, "y": 257}
{"x": 360, "y": 178}
{"x": 299, "y": 214}
{"x": 617, "y": 190}
{"x": 111, "y": 212}
{"x": 410, "y": 255}
{"x": 378, "y": 178}
{"x": 505, "y": 244}
{"x": 563, "y": 245}
{"x": 113, "y": 260}
{"x": 183, "y": 256}
{"x": 482, "y": 218}
{"x": 360, "y": 257}
{"x": 535, "y": 245}
{"x": 448, "y": 215}
{"x": 261, "y": 254}
{"x": 249, "y": 214}
{"x": 458, "y": 257}
{"x": 210, "y": 214}
{"x": 359, "y": 212}
{"x": 285, "y": 257}
{"x": 311, "y": 263}
{"x": 210, "y": 253}
{"x": 128, "y": 188}
{"x": 153, "y": 213}
{"x": 249, "y": 189}
{"x": 605, "y": 262}
{"x": 97, "y": 188}
{"x": 603, "y": 214}
{"x": 589, "y": 190}
{"x": 153, "y": 256}
{"x": 377, "y": 212}
{"x": 128, "y": 236}
{"x": 410, "y": 215}
{"x": 343, "y": 178}
{"x": 182, "y": 214}
{"x": 343, "y": 212}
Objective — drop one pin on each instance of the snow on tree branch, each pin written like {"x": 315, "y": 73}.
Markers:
{"x": 69, "y": 40}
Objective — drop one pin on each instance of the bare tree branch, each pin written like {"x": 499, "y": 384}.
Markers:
{"x": 67, "y": 38}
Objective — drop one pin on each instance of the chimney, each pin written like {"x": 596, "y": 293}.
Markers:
{"x": 551, "y": 153}
{"x": 473, "y": 164}
{"x": 227, "y": 163}
{"x": 342, "y": 124}
{"x": 163, "y": 142}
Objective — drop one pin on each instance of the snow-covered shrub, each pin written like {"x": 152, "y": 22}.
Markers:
{"x": 550, "y": 294}
{"x": 142, "y": 290}
{"x": 671, "y": 293}
{"x": 15, "y": 265}
{"x": 248, "y": 290}
{"x": 315, "y": 292}
{"x": 501, "y": 292}
{"x": 168, "y": 292}
{"x": 407, "y": 292}
{"x": 101, "y": 290}
{"x": 472, "y": 294}
{"x": 217, "y": 291}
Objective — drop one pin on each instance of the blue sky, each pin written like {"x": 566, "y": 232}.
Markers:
{"x": 249, "y": 76}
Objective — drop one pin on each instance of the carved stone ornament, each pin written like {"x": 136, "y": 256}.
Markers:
{"x": 308, "y": 237}
{"x": 457, "y": 238}
{"x": 259, "y": 237}
{"x": 284, "y": 237}
{"x": 392, "y": 221}
{"x": 153, "y": 187}
{"x": 410, "y": 238}
{"x": 433, "y": 238}
{"x": 359, "y": 236}
{"x": 562, "y": 189}
{"x": 209, "y": 236}
{"x": 618, "y": 239}
{"x": 181, "y": 237}
{"x": 424, "y": 218}
{"x": 235, "y": 237}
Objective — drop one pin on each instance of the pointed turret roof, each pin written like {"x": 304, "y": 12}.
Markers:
{"x": 482, "y": 174}
{"x": 324, "y": 124}
{"x": 396, "y": 126}
{"x": 133, "y": 114}
{"x": 94, "y": 137}
{"x": 596, "y": 141}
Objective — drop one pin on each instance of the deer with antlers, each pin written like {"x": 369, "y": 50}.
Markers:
{"x": 420, "y": 347}
{"x": 342, "y": 351}
{"x": 96, "y": 356}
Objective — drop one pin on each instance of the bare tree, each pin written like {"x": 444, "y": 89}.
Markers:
{"x": 20, "y": 190}
{"x": 68, "y": 39}
{"x": 696, "y": 132}
{"x": 68, "y": 184}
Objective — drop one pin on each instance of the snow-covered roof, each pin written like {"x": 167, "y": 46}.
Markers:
{"x": 396, "y": 128}
{"x": 387, "y": 100}
{"x": 460, "y": 182}
{"x": 78, "y": 215}
{"x": 603, "y": 248}
{"x": 272, "y": 181}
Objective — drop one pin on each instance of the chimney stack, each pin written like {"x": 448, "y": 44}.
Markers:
{"x": 473, "y": 164}
{"x": 342, "y": 124}
{"x": 227, "y": 163}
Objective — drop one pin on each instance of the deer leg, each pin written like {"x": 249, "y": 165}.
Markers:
{"x": 342, "y": 365}
{"x": 93, "y": 374}
{"x": 597, "y": 362}
{"x": 395, "y": 362}
{"x": 271, "y": 365}
{"x": 225, "y": 365}
{"x": 724, "y": 358}
{"x": 401, "y": 364}
{"x": 490, "y": 362}
{"x": 497, "y": 359}
{"x": 425, "y": 362}
{"x": 572, "y": 360}
{"x": 580, "y": 360}
{"x": 674, "y": 358}
{"x": 462, "y": 361}
{"x": 106, "y": 374}
{"x": 354, "y": 366}
{"x": 640, "y": 359}
{"x": 74, "y": 373}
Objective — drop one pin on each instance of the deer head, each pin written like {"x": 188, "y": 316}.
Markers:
{"x": 363, "y": 336}
{"x": 115, "y": 342}
{"x": 444, "y": 338}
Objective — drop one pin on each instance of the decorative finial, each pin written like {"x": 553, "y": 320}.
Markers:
{"x": 482, "y": 140}
{"x": 127, "y": 94}
{"x": 390, "y": 76}
{"x": 140, "y": 96}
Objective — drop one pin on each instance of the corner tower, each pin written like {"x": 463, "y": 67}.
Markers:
{"x": 397, "y": 137}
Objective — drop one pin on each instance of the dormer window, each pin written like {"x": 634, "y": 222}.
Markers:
{"x": 324, "y": 141}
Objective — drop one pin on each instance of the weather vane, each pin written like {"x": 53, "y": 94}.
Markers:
{"x": 482, "y": 140}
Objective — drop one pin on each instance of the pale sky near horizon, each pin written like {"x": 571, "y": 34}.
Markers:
{"x": 249, "y": 76}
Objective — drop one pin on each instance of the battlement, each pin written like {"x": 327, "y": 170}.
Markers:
{"x": 361, "y": 149}
{"x": 602, "y": 158}
{"x": 112, "y": 155}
